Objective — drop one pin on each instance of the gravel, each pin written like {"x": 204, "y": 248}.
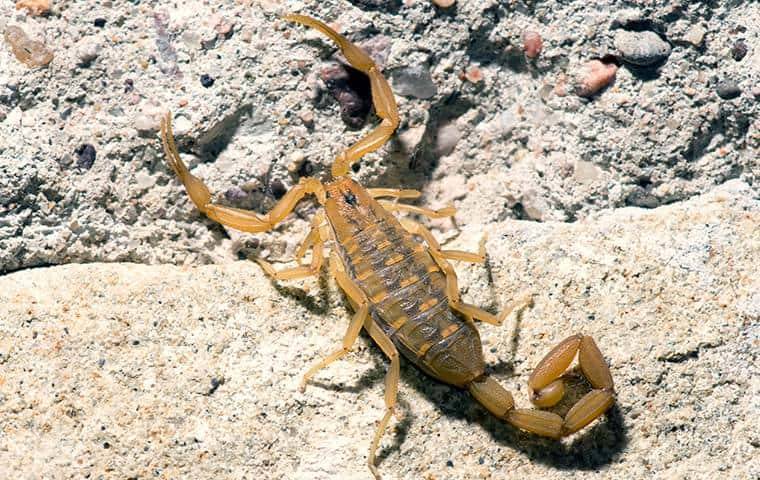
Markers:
{"x": 655, "y": 136}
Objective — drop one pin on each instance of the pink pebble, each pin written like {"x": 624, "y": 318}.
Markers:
{"x": 532, "y": 43}
{"x": 594, "y": 76}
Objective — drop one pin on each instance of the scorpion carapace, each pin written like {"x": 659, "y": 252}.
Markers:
{"x": 404, "y": 292}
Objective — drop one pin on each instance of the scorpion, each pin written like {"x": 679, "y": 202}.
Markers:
{"x": 404, "y": 292}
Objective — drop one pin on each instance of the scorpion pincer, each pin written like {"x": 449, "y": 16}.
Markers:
{"x": 404, "y": 292}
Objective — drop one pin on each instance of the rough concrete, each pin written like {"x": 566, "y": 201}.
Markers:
{"x": 655, "y": 136}
{"x": 133, "y": 371}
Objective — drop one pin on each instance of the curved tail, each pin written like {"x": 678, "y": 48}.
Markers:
{"x": 547, "y": 388}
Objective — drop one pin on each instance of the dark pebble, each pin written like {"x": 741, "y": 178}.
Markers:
{"x": 277, "y": 188}
{"x": 235, "y": 194}
{"x": 106, "y": 445}
{"x": 449, "y": 463}
{"x": 207, "y": 80}
{"x": 306, "y": 169}
{"x": 356, "y": 166}
{"x": 728, "y": 90}
{"x": 85, "y": 156}
{"x": 99, "y": 22}
{"x": 129, "y": 85}
{"x": 352, "y": 91}
{"x": 739, "y": 50}
{"x": 215, "y": 383}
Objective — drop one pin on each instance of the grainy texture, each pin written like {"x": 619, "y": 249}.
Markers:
{"x": 514, "y": 148}
{"x": 126, "y": 370}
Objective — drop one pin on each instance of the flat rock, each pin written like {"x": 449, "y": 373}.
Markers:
{"x": 642, "y": 48}
{"x": 124, "y": 370}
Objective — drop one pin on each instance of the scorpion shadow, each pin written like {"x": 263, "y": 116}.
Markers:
{"x": 590, "y": 449}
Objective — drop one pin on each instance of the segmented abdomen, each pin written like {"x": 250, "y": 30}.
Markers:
{"x": 407, "y": 292}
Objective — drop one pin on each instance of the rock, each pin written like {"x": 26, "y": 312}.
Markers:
{"x": 34, "y": 7}
{"x": 444, "y": 3}
{"x": 644, "y": 48}
{"x": 695, "y": 35}
{"x": 447, "y": 138}
{"x": 739, "y": 50}
{"x": 268, "y": 102}
{"x": 728, "y": 90}
{"x": 127, "y": 355}
{"x": 86, "y": 155}
{"x": 594, "y": 76}
{"x": 88, "y": 50}
{"x": 351, "y": 90}
{"x": 532, "y": 43}
{"x": 414, "y": 81}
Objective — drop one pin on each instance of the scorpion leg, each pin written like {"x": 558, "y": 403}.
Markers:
{"x": 441, "y": 213}
{"x": 236, "y": 218}
{"x": 314, "y": 239}
{"x": 358, "y": 320}
{"x": 393, "y": 192}
{"x": 452, "y": 287}
{"x": 382, "y": 96}
{"x": 391, "y": 389}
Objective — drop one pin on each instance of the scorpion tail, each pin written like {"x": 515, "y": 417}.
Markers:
{"x": 497, "y": 400}
{"x": 547, "y": 388}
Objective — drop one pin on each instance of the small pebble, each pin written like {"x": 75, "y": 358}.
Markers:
{"x": 593, "y": 77}
{"x": 473, "y": 74}
{"x": 532, "y": 43}
{"x": 695, "y": 35}
{"x": 207, "y": 80}
{"x": 351, "y": 90}
{"x": 444, "y": 3}
{"x": 307, "y": 117}
{"x": 145, "y": 122}
{"x": 739, "y": 50}
{"x": 642, "y": 48}
{"x": 277, "y": 188}
{"x": 27, "y": 51}
{"x": 235, "y": 194}
{"x": 85, "y": 156}
{"x": 728, "y": 90}
{"x": 99, "y": 22}
{"x": 414, "y": 81}
{"x": 88, "y": 50}
{"x": 449, "y": 463}
{"x": 129, "y": 85}
{"x": 447, "y": 138}
{"x": 34, "y": 7}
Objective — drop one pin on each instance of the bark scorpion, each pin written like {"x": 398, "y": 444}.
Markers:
{"x": 404, "y": 292}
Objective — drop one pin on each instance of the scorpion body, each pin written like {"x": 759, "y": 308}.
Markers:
{"x": 405, "y": 286}
{"x": 404, "y": 292}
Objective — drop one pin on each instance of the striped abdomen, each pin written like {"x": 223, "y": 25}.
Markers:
{"x": 405, "y": 287}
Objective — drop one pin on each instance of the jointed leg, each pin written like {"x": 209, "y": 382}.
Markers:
{"x": 313, "y": 239}
{"x": 236, "y": 218}
{"x": 319, "y": 231}
{"x": 441, "y": 213}
{"x": 393, "y": 192}
{"x": 382, "y": 96}
{"x": 391, "y": 389}
{"x": 359, "y": 319}
{"x": 452, "y": 287}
